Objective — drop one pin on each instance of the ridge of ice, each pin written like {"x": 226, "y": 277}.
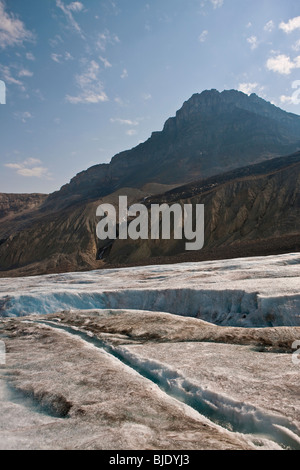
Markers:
{"x": 261, "y": 291}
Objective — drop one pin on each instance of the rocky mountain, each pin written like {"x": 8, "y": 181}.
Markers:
{"x": 13, "y": 204}
{"x": 252, "y": 211}
{"x": 16, "y": 210}
{"x": 213, "y": 132}
{"x": 219, "y": 150}
{"x": 58, "y": 240}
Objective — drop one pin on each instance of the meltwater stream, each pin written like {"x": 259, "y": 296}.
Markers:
{"x": 230, "y": 414}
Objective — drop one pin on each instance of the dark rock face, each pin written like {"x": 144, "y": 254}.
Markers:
{"x": 213, "y": 132}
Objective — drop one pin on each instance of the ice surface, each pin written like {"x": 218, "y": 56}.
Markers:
{"x": 261, "y": 291}
{"x": 255, "y": 392}
{"x": 193, "y": 374}
{"x": 109, "y": 405}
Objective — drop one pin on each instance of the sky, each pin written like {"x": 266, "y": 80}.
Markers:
{"x": 87, "y": 79}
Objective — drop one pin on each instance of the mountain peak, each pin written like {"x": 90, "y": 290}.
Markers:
{"x": 213, "y": 132}
{"x": 210, "y": 103}
{"x": 210, "y": 98}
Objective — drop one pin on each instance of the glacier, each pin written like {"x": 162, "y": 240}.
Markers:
{"x": 182, "y": 356}
{"x": 249, "y": 292}
{"x": 260, "y": 291}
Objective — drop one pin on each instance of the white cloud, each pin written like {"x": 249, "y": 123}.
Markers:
{"x": 12, "y": 30}
{"x": 89, "y": 97}
{"x": 56, "y": 57}
{"x": 30, "y": 56}
{"x": 203, "y": 36}
{"x": 75, "y": 6}
{"x": 287, "y": 99}
{"x": 283, "y": 64}
{"x": 39, "y": 94}
{"x": 295, "y": 98}
{"x": 7, "y": 76}
{"x": 13, "y": 166}
{"x": 11, "y": 77}
{"x": 146, "y": 96}
{"x": 35, "y": 172}
{"x": 106, "y": 38}
{"x": 291, "y": 25}
{"x": 67, "y": 10}
{"x": 56, "y": 41}
{"x": 32, "y": 161}
{"x": 124, "y": 74}
{"x": 29, "y": 168}
{"x": 68, "y": 56}
{"x": 296, "y": 46}
{"x": 127, "y": 122}
{"x": 105, "y": 62}
{"x": 89, "y": 76}
{"x": 131, "y": 132}
{"x": 23, "y": 115}
{"x": 119, "y": 101}
{"x": 269, "y": 26}
{"x": 91, "y": 89}
{"x": 59, "y": 57}
{"x": 253, "y": 41}
{"x": 217, "y": 3}
{"x": 248, "y": 88}
{"x": 25, "y": 73}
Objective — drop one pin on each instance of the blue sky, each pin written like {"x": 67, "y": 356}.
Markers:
{"x": 88, "y": 79}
